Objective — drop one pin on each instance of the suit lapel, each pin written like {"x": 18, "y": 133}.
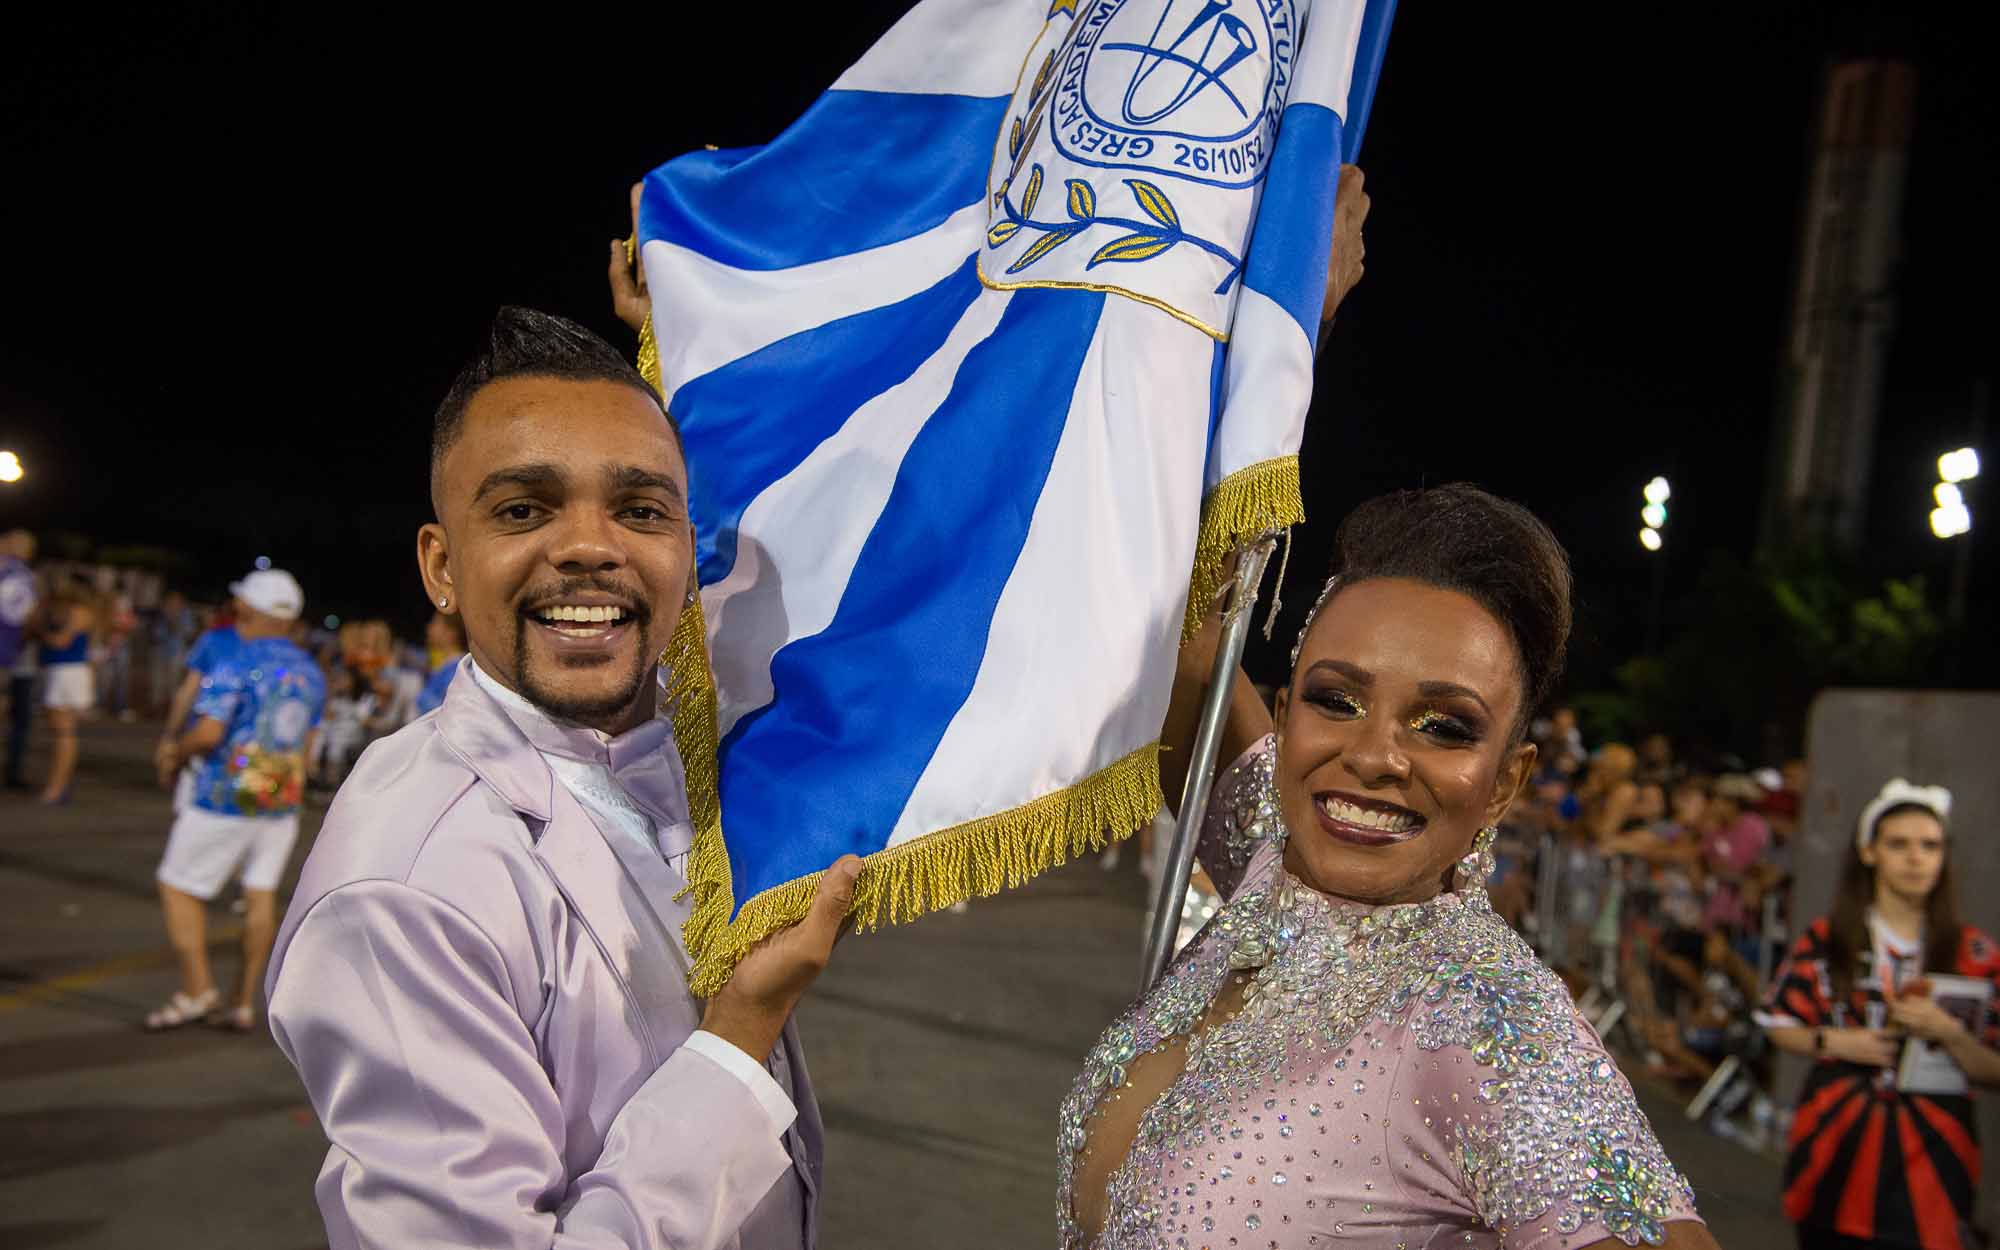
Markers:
{"x": 633, "y": 919}
{"x": 620, "y": 912}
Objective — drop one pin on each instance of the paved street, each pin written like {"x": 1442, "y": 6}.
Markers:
{"x": 940, "y": 1051}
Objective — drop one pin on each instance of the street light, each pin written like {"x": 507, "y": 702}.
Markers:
{"x": 10, "y": 467}
{"x": 1959, "y": 466}
{"x": 1952, "y": 518}
{"x": 1653, "y": 518}
{"x": 1951, "y": 522}
{"x": 1654, "y": 513}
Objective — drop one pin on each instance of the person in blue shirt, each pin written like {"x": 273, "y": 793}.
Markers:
{"x": 254, "y": 718}
{"x": 18, "y": 598}
{"x": 210, "y": 649}
{"x": 444, "y": 638}
{"x": 69, "y": 625}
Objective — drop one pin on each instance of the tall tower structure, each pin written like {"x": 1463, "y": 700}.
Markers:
{"x": 1843, "y": 305}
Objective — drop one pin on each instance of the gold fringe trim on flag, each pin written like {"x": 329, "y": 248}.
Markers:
{"x": 690, "y": 683}
{"x": 1251, "y": 501}
{"x": 690, "y": 695}
{"x": 980, "y": 857}
{"x": 649, "y": 356}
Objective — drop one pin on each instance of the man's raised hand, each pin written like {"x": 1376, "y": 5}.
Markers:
{"x": 1350, "y": 210}
{"x": 750, "y": 1011}
{"x": 629, "y": 298}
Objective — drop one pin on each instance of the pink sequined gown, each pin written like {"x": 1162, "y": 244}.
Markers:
{"x": 1399, "y": 1077}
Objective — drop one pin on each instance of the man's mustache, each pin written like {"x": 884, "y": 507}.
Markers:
{"x": 631, "y": 598}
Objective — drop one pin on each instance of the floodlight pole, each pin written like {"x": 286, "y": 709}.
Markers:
{"x": 1165, "y": 921}
{"x": 1658, "y": 602}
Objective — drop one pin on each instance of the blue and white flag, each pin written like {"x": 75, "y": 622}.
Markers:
{"x": 975, "y": 363}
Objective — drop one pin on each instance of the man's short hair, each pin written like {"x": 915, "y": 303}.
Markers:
{"x": 523, "y": 343}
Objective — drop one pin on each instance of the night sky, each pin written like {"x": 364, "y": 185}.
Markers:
{"x": 244, "y": 251}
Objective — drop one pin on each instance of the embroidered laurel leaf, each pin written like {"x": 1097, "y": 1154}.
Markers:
{"x": 1014, "y": 139}
{"x": 1082, "y": 200}
{"x": 1042, "y": 247}
{"x": 1034, "y": 131}
{"x": 1132, "y": 247}
{"x": 1001, "y": 232}
{"x": 1028, "y": 144}
{"x": 1042, "y": 74}
{"x": 1155, "y": 203}
{"x": 1033, "y": 191}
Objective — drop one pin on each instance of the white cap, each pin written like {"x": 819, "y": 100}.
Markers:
{"x": 1899, "y": 793}
{"x": 273, "y": 592}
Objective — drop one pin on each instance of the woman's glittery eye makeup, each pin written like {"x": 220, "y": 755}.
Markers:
{"x": 1440, "y": 725}
{"x": 1337, "y": 702}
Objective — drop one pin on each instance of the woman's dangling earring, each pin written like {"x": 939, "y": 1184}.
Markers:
{"x": 1476, "y": 868}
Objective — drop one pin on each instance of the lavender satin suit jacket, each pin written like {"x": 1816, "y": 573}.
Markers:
{"x": 487, "y": 1000}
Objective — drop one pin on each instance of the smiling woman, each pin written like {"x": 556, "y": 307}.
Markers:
{"x": 1357, "y": 1049}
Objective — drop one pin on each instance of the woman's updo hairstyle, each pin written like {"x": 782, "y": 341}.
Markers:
{"x": 1461, "y": 538}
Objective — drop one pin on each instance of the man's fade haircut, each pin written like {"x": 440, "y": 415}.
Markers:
{"x": 524, "y": 343}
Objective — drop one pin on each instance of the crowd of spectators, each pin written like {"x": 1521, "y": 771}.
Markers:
{"x": 1657, "y": 881}
{"x": 136, "y": 644}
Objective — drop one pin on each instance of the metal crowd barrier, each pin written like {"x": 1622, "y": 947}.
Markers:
{"x": 1596, "y": 916}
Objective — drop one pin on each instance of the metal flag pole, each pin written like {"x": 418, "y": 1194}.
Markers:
{"x": 1166, "y": 918}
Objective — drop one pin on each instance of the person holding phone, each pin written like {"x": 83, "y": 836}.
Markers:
{"x": 1877, "y": 1157}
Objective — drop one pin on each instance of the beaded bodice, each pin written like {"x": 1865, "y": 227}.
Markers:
{"x": 1391, "y": 1071}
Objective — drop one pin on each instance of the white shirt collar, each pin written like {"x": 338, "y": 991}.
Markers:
{"x": 591, "y": 783}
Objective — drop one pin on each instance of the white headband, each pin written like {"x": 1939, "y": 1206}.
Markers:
{"x": 1899, "y": 793}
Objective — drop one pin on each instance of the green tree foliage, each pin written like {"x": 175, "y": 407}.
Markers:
{"x": 1756, "y": 642}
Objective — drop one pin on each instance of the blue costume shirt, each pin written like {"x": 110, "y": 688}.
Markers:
{"x": 431, "y": 697}
{"x": 213, "y": 647}
{"x": 268, "y": 694}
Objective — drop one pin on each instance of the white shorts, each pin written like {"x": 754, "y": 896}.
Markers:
{"x": 69, "y": 687}
{"x": 206, "y": 848}
{"x": 184, "y": 789}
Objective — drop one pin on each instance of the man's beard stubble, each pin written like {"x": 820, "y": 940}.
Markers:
{"x": 589, "y": 712}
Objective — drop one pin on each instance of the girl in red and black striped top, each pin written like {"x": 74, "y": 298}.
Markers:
{"x": 1871, "y": 1164}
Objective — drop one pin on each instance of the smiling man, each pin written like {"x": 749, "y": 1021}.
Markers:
{"x": 480, "y": 978}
